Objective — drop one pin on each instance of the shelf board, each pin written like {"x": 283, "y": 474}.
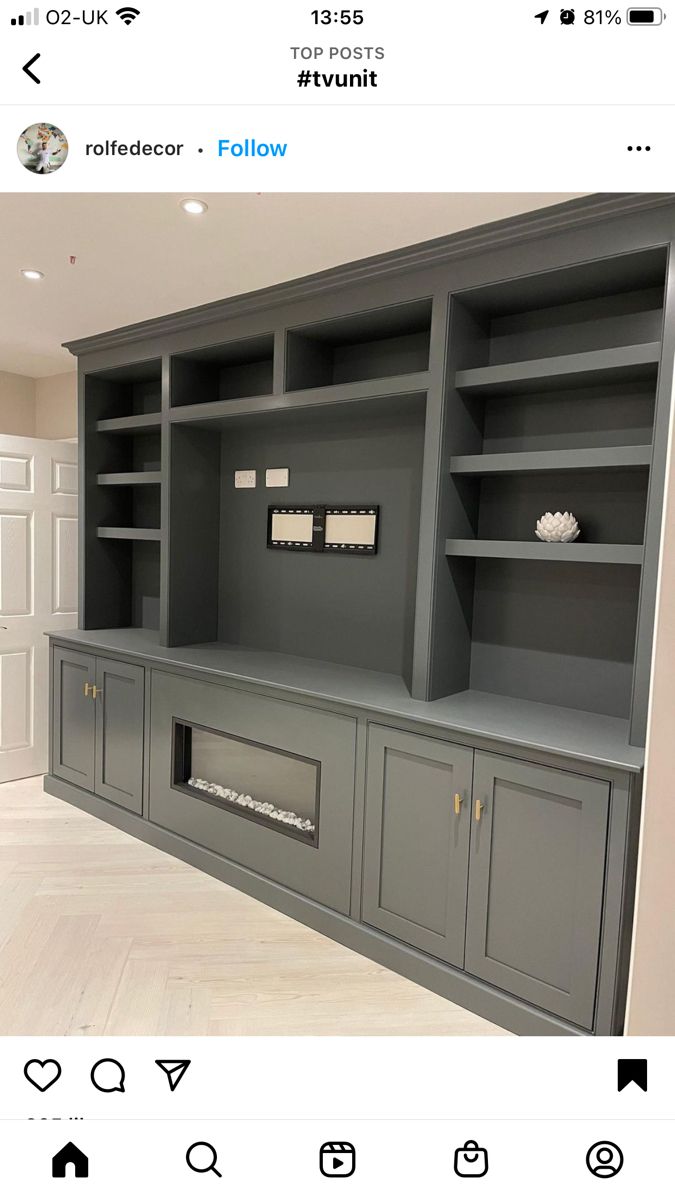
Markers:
{"x": 372, "y": 390}
{"x": 120, "y": 478}
{"x": 135, "y": 424}
{"x": 598, "y": 459}
{"x": 619, "y": 363}
{"x": 128, "y": 534}
{"x": 544, "y": 551}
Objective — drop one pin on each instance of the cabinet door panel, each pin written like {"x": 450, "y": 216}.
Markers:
{"x": 416, "y": 845}
{"x": 119, "y": 733}
{"x": 73, "y": 717}
{"x": 536, "y": 881}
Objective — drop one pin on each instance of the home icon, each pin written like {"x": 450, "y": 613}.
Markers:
{"x": 70, "y": 1156}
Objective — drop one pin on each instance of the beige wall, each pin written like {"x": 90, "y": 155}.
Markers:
{"x": 651, "y": 1005}
{"x": 17, "y": 405}
{"x": 44, "y": 408}
{"x": 56, "y": 406}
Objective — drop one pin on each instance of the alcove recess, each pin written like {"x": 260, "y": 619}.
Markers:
{"x": 549, "y": 406}
{"x": 122, "y": 457}
{"x": 350, "y": 427}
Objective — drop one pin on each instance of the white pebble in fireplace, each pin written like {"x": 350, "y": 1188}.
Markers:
{"x": 264, "y": 808}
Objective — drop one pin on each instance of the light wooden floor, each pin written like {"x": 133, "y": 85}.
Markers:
{"x": 101, "y": 934}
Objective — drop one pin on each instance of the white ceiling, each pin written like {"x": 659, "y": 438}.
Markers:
{"x": 140, "y": 256}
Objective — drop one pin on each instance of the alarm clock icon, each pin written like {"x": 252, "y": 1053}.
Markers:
{"x": 567, "y": 16}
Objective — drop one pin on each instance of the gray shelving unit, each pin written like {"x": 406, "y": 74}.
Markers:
{"x": 466, "y": 685}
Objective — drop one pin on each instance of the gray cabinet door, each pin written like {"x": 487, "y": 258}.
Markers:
{"x": 417, "y": 828}
{"x": 74, "y": 717}
{"x": 536, "y": 880}
{"x": 119, "y": 733}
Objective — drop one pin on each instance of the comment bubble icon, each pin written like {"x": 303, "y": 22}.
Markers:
{"x": 107, "y": 1075}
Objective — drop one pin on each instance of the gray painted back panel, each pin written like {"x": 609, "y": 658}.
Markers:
{"x": 536, "y": 879}
{"x": 558, "y": 633}
{"x": 340, "y": 608}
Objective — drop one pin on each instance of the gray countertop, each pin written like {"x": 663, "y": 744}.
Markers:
{"x": 580, "y": 735}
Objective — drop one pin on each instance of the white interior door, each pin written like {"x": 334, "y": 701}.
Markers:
{"x": 38, "y": 589}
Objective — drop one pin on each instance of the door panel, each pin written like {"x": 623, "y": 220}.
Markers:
{"x": 74, "y": 717}
{"x": 38, "y": 589}
{"x": 416, "y": 844}
{"x": 536, "y": 880}
{"x": 120, "y": 690}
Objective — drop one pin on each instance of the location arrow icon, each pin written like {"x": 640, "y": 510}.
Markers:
{"x": 174, "y": 1069}
{"x": 541, "y": 16}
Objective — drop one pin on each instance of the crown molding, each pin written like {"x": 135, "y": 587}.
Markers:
{"x": 573, "y": 214}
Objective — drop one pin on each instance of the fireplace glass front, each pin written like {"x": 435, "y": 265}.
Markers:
{"x": 264, "y": 784}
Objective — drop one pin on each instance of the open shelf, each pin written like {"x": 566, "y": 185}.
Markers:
{"x": 379, "y": 396}
{"x": 137, "y": 424}
{"x": 550, "y": 407}
{"x": 120, "y": 393}
{"x": 544, "y": 551}
{"x": 129, "y": 478}
{"x": 585, "y": 459}
{"x": 223, "y": 372}
{"x": 371, "y": 345}
{"x": 127, "y": 534}
{"x": 340, "y": 608}
{"x": 614, "y": 365}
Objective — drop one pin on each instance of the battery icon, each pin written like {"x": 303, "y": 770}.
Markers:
{"x": 644, "y": 16}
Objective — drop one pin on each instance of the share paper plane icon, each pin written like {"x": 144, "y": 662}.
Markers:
{"x": 174, "y": 1069}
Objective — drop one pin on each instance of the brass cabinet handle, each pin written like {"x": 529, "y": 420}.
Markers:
{"x": 96, "y": 692}
{"x": 88, "y": 687}
{"x": 479, "y": 809}
{"x": 458, "y": 803}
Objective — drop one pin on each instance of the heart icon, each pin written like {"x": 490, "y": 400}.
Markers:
{"x": 42, "y": 1074}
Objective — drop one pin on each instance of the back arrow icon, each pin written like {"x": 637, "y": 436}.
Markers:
{"x": 27, "y": 69}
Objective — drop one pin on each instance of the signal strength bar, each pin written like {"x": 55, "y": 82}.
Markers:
{"x": 30, "y": 18}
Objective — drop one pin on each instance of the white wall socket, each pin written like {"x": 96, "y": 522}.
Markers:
{"x": 244, "y": 479}
{"x": 276, "y": 477}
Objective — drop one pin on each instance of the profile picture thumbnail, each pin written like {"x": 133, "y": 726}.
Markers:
{"x": 42, "y": 148}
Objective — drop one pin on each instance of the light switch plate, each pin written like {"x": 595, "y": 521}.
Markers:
{"x": 244, "y": 479}
{"x": 276, "y": 477}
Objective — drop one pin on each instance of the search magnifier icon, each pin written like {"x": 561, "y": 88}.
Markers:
{"x": 201, "y": 1157}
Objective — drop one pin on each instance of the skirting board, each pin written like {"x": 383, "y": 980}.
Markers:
{"x": 461, "y": 989}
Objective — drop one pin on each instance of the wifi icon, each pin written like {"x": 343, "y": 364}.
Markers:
{"x": 128, "y": 14}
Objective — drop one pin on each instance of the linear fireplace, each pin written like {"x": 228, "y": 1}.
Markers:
{"x": 262, "y": 783}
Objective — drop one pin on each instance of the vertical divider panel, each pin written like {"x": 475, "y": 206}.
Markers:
{"x": 279, "y": 362}
{"x": 165, "y": 452}
{"x": 419, "y": 676}
{"x": 652, "y": 537}
{"x": 461, "y": 433}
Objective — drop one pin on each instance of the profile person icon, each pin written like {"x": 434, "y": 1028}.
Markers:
{"x": 604, "y": 1160}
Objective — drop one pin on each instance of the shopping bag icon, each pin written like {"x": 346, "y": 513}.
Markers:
{"x": 471, "y": 1161}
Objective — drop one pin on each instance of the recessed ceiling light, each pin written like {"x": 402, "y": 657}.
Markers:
{"x": 29, "y": 273}
{"x": 194, "y": 207}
